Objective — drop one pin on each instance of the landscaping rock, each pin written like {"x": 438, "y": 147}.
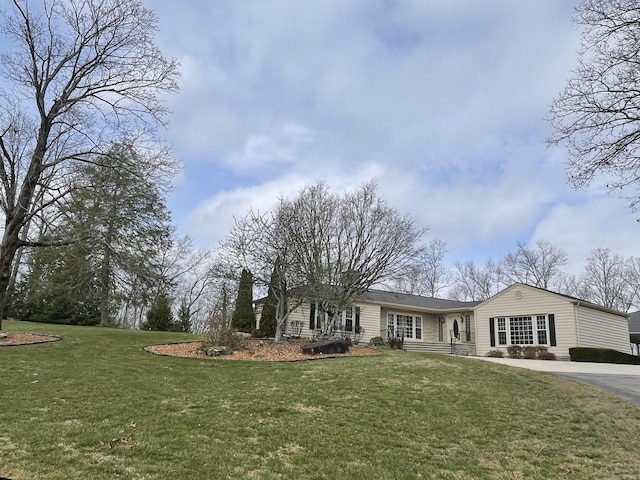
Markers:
{"x": 326, "y": 346}
{"x": 3, "y": 335}
{"x": 217, "y": 351}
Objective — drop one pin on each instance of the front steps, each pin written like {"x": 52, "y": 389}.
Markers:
{"x": 440, "y": 347}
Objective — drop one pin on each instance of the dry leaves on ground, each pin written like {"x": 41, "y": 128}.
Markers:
{"x": 256, "y": 350}
{"x": 18, "y": 338}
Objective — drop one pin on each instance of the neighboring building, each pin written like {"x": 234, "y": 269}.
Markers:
{"x": 520, "y": 315}
{"x": 634, "y": 332}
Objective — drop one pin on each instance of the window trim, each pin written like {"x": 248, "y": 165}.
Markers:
{"x": 394, "y": 327}
{"x": 539, "y": 327}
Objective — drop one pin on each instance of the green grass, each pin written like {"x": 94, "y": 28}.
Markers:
{"x": 96, "y": 406}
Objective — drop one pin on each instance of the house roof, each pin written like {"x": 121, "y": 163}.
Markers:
{"x": 417, "y": 301}
{"x": 634, "y": 322}
{"x": 574, "y": 300}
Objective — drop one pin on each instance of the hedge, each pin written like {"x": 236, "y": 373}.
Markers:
{"x": 601, "y": 355}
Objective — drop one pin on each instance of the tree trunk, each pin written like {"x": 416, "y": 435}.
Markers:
{"x": 8, "y": 248}
{"x": 105, "y": 320}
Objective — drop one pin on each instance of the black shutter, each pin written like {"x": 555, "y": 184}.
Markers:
{"x": 552, "y": 330}
{"x": 357, "y": 329}
{"x": 312, "y": 317}
{"x": 492, "y": 331}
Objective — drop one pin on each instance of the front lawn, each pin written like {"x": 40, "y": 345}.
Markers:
{"x": 96, "y": 406}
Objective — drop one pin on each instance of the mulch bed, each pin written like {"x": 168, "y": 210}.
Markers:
{"x": 257, "y": 350}
{"x": 18, "y": 338}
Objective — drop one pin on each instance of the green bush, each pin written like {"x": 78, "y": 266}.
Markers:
{"x": 159, "y": 316}
{"x": 244, "y": 318}
{"x": 602, "y": 355}
{"x": 514, "y": 351}
{"x": 377, "y": 341}
{"x": 495, "y": 354}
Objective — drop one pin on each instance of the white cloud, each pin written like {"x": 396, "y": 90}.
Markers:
{"x": 441, "y": 102}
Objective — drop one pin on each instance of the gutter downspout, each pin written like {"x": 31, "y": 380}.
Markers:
{"x": 575, "y": 322}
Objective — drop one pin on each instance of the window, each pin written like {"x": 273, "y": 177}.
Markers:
{"x": 467, "y": 327}
{"x": 541, "y": 326}
{"x": 502, "y": 331}
{"x": 391, "y": 331}
{"x": 524, "y": 330}
{"x": 521, "y": 330}
{"x": 441, "y": 329}
{"x": 348, "y": 320}
{"x": 401, "y": 325}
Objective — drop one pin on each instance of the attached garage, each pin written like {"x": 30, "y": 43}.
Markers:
{"x": 526, "y": 315}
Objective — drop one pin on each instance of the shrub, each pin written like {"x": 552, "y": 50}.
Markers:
{"x": 393, "y": 342}
{"x": 602, "y": 355}
{"x": 377, "y": 341}
{"x": 159, "y": 316}
{"x": 530, "y": 352}
{"x": 244, "y": 319}
{"x": 514, "y": 351}
{"x": 546, "y": 355}
{"x": 220, "y": 334}
{"x": 495, "y": 354}
{"x": 256, "y": 333}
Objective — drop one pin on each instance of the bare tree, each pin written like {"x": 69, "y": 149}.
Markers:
{"x": 257, "y": 242}
{"x": 535, "y": 266}
{"x": 325, "y": 248}
{"x": 633, "y": 280}
{"x": 81, "y": 73}
{"x": 428, "y": 275}
{"x": 597, "y": 115}
{"x": 569, "y": 284}
{"x": 474, "y": 283}
{"x": 604, "y": 280}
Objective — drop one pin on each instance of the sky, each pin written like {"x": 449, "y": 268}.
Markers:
{"x": 441, "y": 102}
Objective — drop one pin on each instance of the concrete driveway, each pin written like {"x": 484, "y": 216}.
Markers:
{"x": 620, "y": 380}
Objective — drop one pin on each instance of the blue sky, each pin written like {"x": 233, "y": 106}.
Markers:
{"x": 441, "y": 102}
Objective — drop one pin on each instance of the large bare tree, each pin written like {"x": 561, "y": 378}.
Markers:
{"x": 536, "y": 265}
{"x": 428, "y": 275}
{"x": 79, "y": 75}
{"x": 597, "y": 115}
{"x": 476, "y": 283}
{"x": 324, "y": 247}
{"x": 605, "y": 280}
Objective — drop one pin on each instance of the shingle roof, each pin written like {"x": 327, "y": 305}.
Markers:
{"x": 381, "y": 296}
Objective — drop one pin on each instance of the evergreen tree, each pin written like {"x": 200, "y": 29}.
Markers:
{"x": 268, "y": 321}
{"x": 61, "y": 287}
{"x": 183, "y": 324}
{"x": 159, "y": 316}
{"x": 244, "y": 318}
{"x": 116, "y": 220}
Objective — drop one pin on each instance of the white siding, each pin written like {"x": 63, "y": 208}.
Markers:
{"x": 602, "y": 330}
{"x": 369, "y": 320}
{"x": 529, "y": 301}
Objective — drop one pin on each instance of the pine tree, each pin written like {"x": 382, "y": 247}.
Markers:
{"x": 183, "y": 324}
{"x": 159, "y": 316}
{"x": 244, "y": 318}
{"x": 268, "y": 321}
